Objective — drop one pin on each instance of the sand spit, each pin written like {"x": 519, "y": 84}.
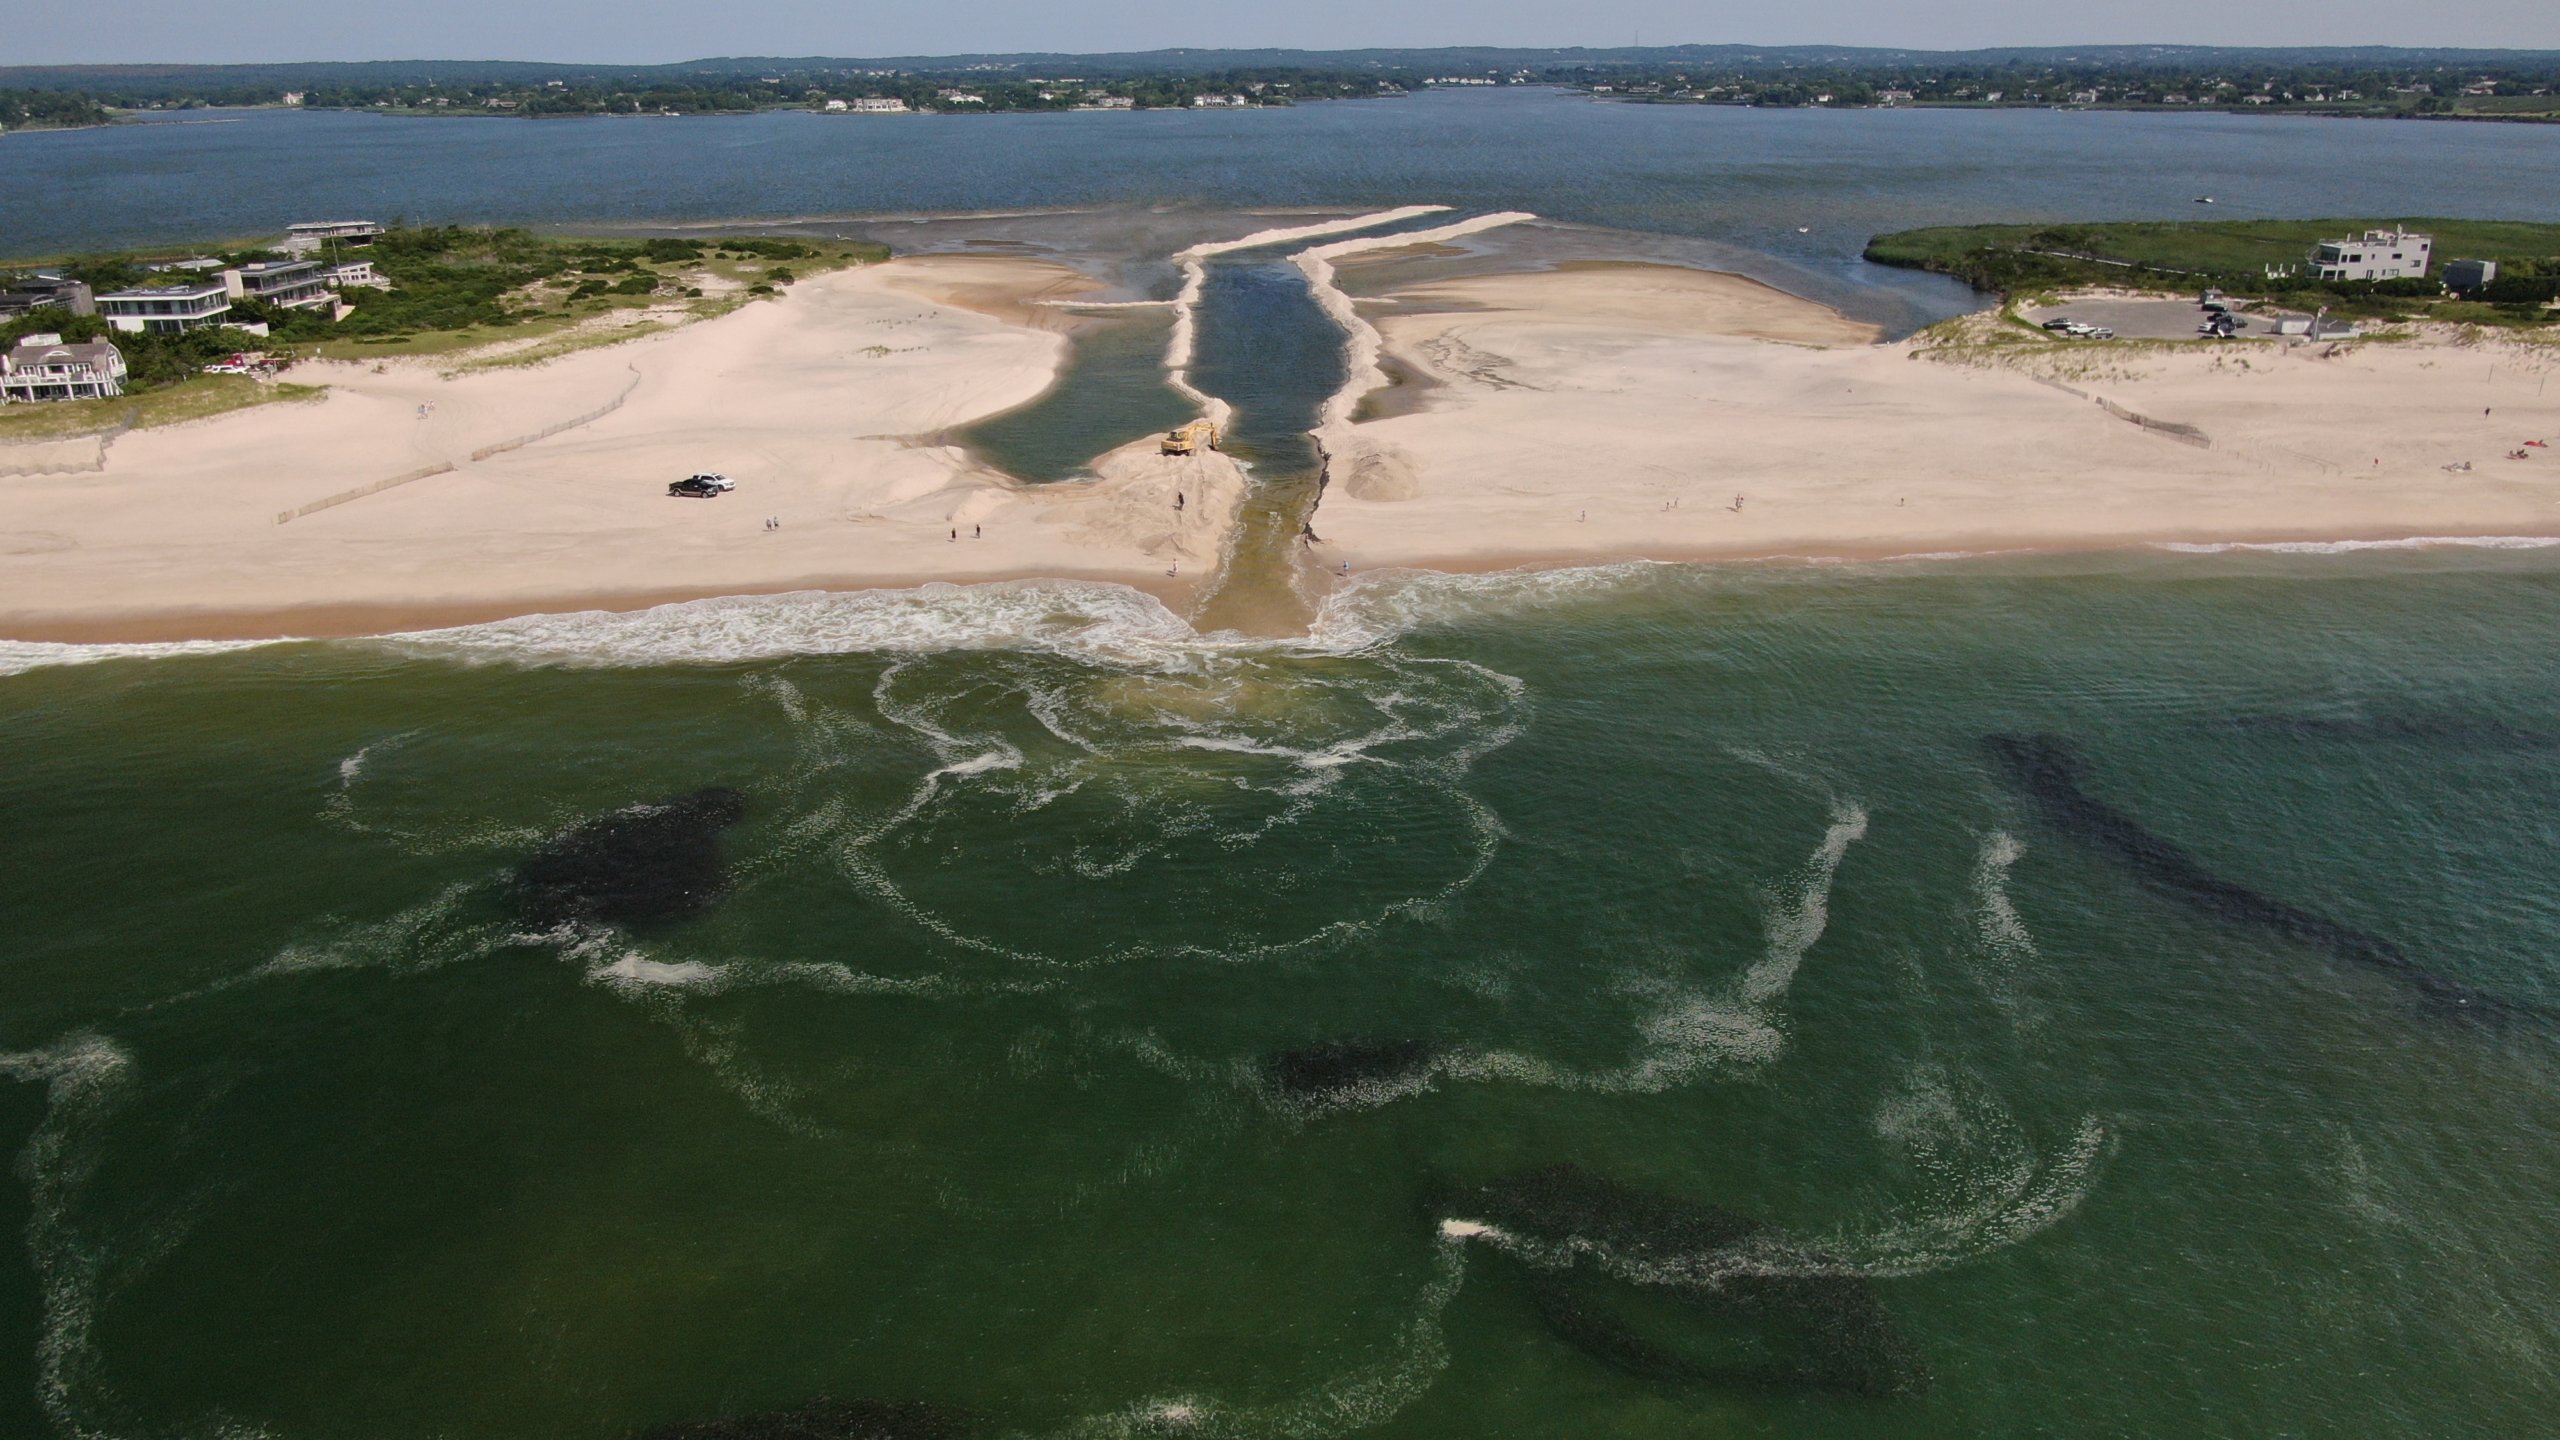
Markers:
{"x": 1620, "y": 411}
{"x": 1362, "y": 342}
{"x": 1195, "y": 278}
{"x": 825, "y": 405}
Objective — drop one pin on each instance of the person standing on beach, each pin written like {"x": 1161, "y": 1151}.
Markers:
{"x": 977, "y": 532}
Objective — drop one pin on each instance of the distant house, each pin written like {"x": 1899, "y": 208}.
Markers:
{"x": 35, "y": 292}
{"x": 310, "y": 236}
{"x": 167, "y": 309}
{"x": 288, "y": 284}
{"x": 959, "y": 97}
{"x": 42, "y": 367}
{"x": 1111, "y": 102}
{"x": 2470, "y": 275}
{"x": 837, "y": 107}
{"x": 879, "y": 105}
{"x": 2392, "y": 254}
{"x": 1212, "y": 102}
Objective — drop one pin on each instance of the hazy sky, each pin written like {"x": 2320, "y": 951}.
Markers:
{"x": 630, "y": 31}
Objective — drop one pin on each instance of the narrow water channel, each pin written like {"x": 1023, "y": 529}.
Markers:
{"x": 1266, "y": 349}
{"x": 1111, "y": 392}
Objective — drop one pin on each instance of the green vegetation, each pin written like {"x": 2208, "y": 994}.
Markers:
{"x": 2236, "y": 256}
{"x": 151, "y": 361}
{"x": 452, "y": 289}
{"x": 49, "y": 110}
{"x": 196, "y": 399}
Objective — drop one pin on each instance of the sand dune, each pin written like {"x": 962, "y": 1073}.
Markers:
{"x": 1622, "y": 410}
{"x": 826, "y": 406}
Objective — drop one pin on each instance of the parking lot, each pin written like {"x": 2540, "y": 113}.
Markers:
{"x": 2133, "y": 319}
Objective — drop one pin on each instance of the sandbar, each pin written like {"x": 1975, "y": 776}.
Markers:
{"x": 1638, "y": 411}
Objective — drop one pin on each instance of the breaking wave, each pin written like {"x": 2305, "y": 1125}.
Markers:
{"x": 19, "y": 656}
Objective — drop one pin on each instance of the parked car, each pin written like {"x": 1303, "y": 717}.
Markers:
{"x": 2059, "y": 322}
{"x": 715, "y": 480}
{"x": 695, "y": 487}
{"x": 2097, "y": 332}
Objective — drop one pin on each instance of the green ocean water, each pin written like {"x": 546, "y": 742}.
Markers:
{"x": 1703, "y": 880}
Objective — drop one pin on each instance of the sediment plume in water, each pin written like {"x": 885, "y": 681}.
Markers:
{"x": 641, "y": 866}
{"x": 829, "y": 1419}
{"x": 2053, "y": 775}
{"x": 1678, "y": 1293}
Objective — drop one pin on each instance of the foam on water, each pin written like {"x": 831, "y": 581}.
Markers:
{"x": 2003, "y": 947}
{"x": 1413, "y": 722}
{"x": 1687, "y": 1030}
{"x": 1984, "y": 1184}
{"x": 86, "y": 1079}
{"x": 1363, "y": 1397}
{"x": 19, "y": 656}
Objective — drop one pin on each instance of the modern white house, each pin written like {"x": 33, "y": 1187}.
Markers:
{"x": 879, "y": 105}
{"x": 289, "y": 284}
{"x": 167, "y": 309}
{"x": 310, "y": 236}
{"x": 2392, "y": 254}
{"x": 353, "y": 275}
{"x": 42, "y": 367}
{"x": 1213, "y": 102}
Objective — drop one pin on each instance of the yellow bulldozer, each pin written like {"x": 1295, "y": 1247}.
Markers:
{"x": 1191, "y": 439}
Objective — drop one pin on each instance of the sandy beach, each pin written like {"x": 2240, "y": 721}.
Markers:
{"x": 1588, "y": 412}
{"x": 828, "y": 406}
{"x": 1640, "y": 411}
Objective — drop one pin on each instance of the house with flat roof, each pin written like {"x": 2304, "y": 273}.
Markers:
{"x": 2392, "y": 254}
{"x": 167, "y": 309}
{"x": 880, "y": 105}
{"x": 353, "y": 275}
{"x": 35, "y": 292}
{"x": 42, "y": 367}
{"x": 309, "y": 236}
{"x": 289, "y": 284}
{"x": 2470, "y": 275}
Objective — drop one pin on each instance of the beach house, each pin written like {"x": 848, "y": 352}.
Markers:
{"x": 35, "y": 292}
{"x": 2466, "y": 276}
{"x": 311, "y": 236}
{"x": 42, "y": 367}
{"x": 167, "y": 309}
{"x": 2392, "y": 254}
{"x": 353, "y": 275}
{"x": 286, "y": 284}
